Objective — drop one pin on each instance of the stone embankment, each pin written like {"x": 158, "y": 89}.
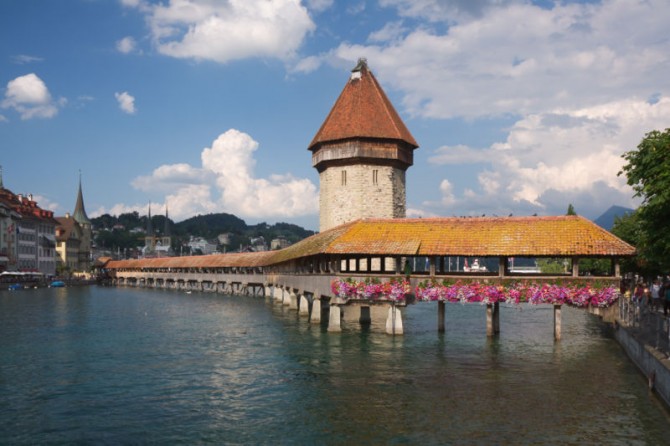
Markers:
{"x": 644, "y": 334}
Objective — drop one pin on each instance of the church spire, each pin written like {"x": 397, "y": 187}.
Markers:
{"x": 166, "y": 230}
{"x": 150, "y": 230}
{"x": 79, "y": 210}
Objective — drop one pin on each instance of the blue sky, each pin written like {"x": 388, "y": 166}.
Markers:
{"x": 518, "y": 106}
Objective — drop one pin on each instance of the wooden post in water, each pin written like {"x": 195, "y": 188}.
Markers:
{"x": 489, "y": 320}
{"x": 557, "y": 322}
{"x": 496, "y": 318}
{"x": 334, "y": 324}
{"x": 315, "y": 317}
{"x": 394, "y": 321}
{"x": 293, "y": 300}
{"x": 440, "y": 316}
{"x": 304, "y": 305}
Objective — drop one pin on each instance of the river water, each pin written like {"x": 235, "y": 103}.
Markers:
{"x": 97, "y": 365}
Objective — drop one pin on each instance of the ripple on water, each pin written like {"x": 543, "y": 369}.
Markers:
{"x": 118, "y": 366}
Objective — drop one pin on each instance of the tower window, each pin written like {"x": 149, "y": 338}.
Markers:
{"x": 375, "y": 176}
{"x": 344, "y": 178}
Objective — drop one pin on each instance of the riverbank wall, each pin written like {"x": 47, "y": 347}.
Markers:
{"x": 654, "y": 364}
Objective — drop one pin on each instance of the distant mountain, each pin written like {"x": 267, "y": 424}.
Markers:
{"x": 606, "y": 220}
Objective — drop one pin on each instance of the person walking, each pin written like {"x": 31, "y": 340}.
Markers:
{"x": 638, "y": 295}
{"x": 666, "y": 298}
{"x": 655, "y": 292}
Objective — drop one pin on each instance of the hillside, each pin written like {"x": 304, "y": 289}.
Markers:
{"x": 127, "y": 231}
{"x": 606, "y": 220}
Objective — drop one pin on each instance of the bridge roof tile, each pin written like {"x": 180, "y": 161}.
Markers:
{"x": 482, "y": 236}
{"x": 562, "y": 236}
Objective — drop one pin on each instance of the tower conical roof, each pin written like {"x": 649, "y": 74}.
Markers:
{"x": 362, "y": 111}
{"x": 79, "y": 211}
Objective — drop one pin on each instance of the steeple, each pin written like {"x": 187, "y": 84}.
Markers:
{"x": 1, "y": 186}
{"x": 166, "y": 230}
{"x": 79, "y": 211}
{"x": 150, "y": 230}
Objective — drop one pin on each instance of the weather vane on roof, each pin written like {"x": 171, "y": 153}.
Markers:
{"x": 362, "y": 63}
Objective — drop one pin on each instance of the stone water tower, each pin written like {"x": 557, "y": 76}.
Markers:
{"x": 362, "y": 151}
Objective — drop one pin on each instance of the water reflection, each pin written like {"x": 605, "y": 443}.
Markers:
{"x": 156, "y": 366}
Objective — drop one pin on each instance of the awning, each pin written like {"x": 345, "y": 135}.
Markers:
{"x": 47, "y": 241}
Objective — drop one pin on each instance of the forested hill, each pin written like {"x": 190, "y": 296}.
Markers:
{"x": 128, "y": 230}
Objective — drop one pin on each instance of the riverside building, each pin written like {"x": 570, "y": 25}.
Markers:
{"x": 29, "y": 236}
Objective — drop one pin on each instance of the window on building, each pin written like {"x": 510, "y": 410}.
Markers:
{"x": 344, "y": 178}
{"x": 375, "y": 177}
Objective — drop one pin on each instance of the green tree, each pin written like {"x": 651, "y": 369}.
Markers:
{"x": 571, "y": 210}
{"x": 553, "y": 265}
{"x": 629, "y": 229}
{"x": 647, "y": 170}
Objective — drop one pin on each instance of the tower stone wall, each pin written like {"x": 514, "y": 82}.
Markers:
{"x": 357, "y": 191}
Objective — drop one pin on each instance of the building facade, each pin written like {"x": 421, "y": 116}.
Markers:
{"x": 8, "y": 224}
{"x": 74, "y": 235}
{"x": 29, "y": 232}
{"x": 362, "y": 152}
{"x": 69, "y": 236}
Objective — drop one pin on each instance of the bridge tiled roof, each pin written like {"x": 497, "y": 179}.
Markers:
{"x": 498, "y": 237}
{"x": 243, "y": 259}
{"x": 562, "y": 236}
{"x": 362, "y": 111}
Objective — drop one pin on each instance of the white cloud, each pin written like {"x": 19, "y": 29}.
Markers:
{"x": 582, "y": 81}
{"x": 132, "y": 3}
{"x": 126, "y": 45}
{"x": 168, "y": 177}
{"x": 553, "y": 158}
{"x": 459, "y": 154}
{"x": 126, "y": 102}
{"x": 119, "y": 209}
{"x": 446, "y": 190}
{"x": 307, "y": 64}
{"x": 390, "y": 32}
{"x": 319, "y": 5}
{"x": 231, "y": 159}
{"x": 45, "y": 203}
{"x": 225, "y": 31}
{"x": 23, "y": 59}
{"x": 452, "y": 10}
{"x": 30, "y": 97}
{"x": 226, "y": 183}
{"x": 3, "y": 119}
{"x": 356, "y": 8}
{"x": 521, "y": 58}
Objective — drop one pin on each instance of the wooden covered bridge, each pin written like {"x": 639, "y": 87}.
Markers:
{"x": 383, "y": 263}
